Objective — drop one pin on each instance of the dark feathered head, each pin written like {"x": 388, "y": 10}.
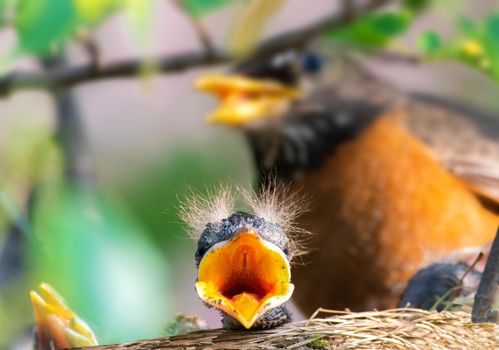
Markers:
{"x": 259, "y": 89}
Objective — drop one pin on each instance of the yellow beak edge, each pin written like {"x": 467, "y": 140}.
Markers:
{"x": 244, "y": 99}
{"x": 57, "y": 323}
{"x": 244, "y": 277}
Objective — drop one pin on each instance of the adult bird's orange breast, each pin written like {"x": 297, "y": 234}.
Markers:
{"x": 383, "y": 206}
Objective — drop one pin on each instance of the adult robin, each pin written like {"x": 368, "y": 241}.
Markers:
{"x": 396, "y": 181}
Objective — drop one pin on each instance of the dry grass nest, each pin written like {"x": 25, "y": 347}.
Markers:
{"x": 327, "y": 329}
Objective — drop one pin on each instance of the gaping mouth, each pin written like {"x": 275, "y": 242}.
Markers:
{"x": 244, "y": 99}
{"x": 244, "y": 277}
{"x": 57, "y": 323}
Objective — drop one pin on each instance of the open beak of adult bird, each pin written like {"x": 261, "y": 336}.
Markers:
{"x": 57, "y": 325}
{"x": 244, "y": 276}
{"x": 244, "y": 99}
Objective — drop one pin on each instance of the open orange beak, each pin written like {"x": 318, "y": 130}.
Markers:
{"x": 244, "y": 99}
{"x": 56, "y": 323}
{"x": 245, "y": 277}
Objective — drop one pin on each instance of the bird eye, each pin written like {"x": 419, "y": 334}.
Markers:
{"x": 311, "y": 62}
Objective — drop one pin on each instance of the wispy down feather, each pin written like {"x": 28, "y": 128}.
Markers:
{"x": 198, "y": 210}
{"x": 278, "y": 204}
{"x": 275, "y": 203}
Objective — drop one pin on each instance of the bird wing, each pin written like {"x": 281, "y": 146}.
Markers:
{"x": 481, "y": 176}
{"x": 464, "y": 138}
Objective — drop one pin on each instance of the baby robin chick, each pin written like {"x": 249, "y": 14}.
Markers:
{"x": 243, "y": 257}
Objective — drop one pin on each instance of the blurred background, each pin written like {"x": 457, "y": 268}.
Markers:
{"x": 91, "y": 176}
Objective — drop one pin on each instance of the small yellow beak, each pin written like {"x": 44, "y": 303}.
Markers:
{"x": 244, "y": 99}
{"x": 56, "y": 323}
{"x": 244, "y": 277}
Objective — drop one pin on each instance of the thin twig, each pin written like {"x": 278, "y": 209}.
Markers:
{"x": 398, "y": 57}
{"x": 348, "y": 8}
{"x": 66, "y": 77}
{"x": 93, "y": 51}
{"x": 199, "y": 29}
{"x": 13, "y": 253}
{"x": 486, "y": 298}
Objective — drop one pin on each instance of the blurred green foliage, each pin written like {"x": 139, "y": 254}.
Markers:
{"x": 91, "y": 11}
{"x": 110, "y": 252}
{"x": 44, "y": 23}
{"x": 248, "y": 26}
{"x": 373, "y": 30}
{"x": 155, "y": 197}
{"x": 31, "y": 155}
{"x": 198, "y": 8}
{"x": 430, "y": 42}
{"x": 416, "y": 5}
{"x": 44, "y": 26}
{"x": 378, "y": 29}
{"x": 16, "y": 316}
{"x": 476, "y": 43}
{"x": 101, "y": 259}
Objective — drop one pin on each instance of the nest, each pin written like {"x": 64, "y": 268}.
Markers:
{"x": 391, "y": 329}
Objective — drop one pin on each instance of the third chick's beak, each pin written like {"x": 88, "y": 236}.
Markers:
{"x": 244, "y": 276}
{"x": 57, "y": 325}
{"x": 244, "y": 99}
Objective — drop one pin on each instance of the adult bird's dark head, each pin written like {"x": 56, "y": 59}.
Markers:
{"x": 243, "y": 258}
{"x": 259, "y": 89}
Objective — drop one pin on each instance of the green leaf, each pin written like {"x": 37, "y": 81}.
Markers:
{"x": 41, "y": 24}
{"x": 250, "y": 23}
{"x": 373, "y": 30}
{"x": 491, "y": 44}
{"x": 492, "y": 27}
{"x": 415, "y": 5}
{"x": 7, "y": 7}
{"x": 92, "y": 11}
{"x": 466, "y": 26}
{"x": 476, "y": 44}
{"x": 139, "y": 14}
{"x": 430, "y": 43}
{"x": 198, "y": 8}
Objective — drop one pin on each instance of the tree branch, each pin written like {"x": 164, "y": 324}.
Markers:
{"x": 70, "y": 134}
{"x": 69, "y": 76}
{"x": 201, "y": 32}
{"x": 485, "y": 308}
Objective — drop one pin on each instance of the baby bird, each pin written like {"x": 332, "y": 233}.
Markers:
{"x": 57, "y": 326}
{"x": 243, "y": 257}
